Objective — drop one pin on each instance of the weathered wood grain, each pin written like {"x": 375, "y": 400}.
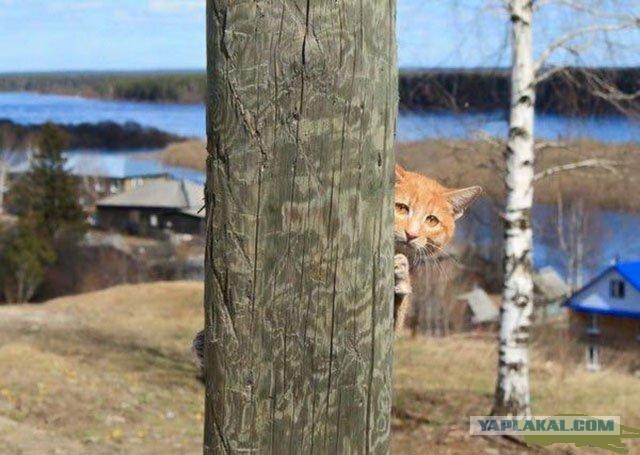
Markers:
{"x": 298, "y": 296}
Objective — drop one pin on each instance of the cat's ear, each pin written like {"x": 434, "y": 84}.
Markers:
{"x": 462, "y": 199}
{"x": 400, "y": 172}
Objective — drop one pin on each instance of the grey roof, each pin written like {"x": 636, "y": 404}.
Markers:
{"x": 550, "y": 284}
{"x": 182, "y": 195}
{"x": 481, "y": 305}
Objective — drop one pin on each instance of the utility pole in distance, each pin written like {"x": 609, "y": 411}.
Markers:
{"x": 302, "y": 102}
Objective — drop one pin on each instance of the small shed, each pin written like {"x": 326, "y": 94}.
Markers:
{"x": 550, "y": 291}
{"x": 158, "y": 205}
{"x": 480, "y": 311}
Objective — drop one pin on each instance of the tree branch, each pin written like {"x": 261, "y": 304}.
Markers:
{"x": 581, "y": 6}
{"x": 545, "y": 145}
{"x": 590, "y": 163}
{"x": 565, "y": 39}
{"x": 547, "y": 73}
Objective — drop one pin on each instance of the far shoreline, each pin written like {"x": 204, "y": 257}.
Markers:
{"x": 188, "y": 120}
{"x": 466, "y": 90}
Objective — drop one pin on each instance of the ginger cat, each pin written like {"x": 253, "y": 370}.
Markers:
{"x": 425, "y": 222}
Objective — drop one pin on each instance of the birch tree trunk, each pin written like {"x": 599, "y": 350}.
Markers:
{"x": 299, "y": 264}
{"x": 512, "y": 388}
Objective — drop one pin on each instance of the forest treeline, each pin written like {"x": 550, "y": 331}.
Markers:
{"x": 575, "y": 91}
{"x": 179, "y": 87}
{"x": 88, "y": 136}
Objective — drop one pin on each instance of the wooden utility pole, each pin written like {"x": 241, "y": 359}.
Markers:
{"x": 302, "y": 102}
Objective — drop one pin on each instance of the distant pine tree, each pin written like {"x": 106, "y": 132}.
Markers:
{"x": 50, "y": 218}
{"x": 48, "y": 194}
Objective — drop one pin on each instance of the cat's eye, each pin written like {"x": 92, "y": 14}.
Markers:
{"x": 402, "y": 209}
{"x": 432, "y": 220}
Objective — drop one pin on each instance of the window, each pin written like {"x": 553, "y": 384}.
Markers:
{"x": 153, "y": 220}
{"x": 616, "y": 289}
{"x": 592, "y": 327}
{"x": 593, "y": 360}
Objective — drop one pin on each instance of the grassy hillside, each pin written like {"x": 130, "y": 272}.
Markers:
{"x": 191, "y": 154}
{"x": 109, "y": 372}
{"x": 462, "y": 163}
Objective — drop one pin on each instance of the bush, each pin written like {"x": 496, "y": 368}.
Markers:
{"x": 25, "y": 254}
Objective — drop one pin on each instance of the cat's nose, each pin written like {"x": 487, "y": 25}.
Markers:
{"x": 411, "y": 235}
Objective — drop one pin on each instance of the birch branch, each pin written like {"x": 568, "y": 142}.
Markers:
{"x": 581, "y": 7}
{"x": 552, "y": 71}
{"x": 590, "y": 163}
{"x": 565, "y": 39}
{"x": 545, "y": 145}
{"x": 609, "y": 91}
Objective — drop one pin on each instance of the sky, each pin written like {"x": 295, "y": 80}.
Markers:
{"x": 52, "y": 35}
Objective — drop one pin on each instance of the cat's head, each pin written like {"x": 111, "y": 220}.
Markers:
{"x": 426, "y": 213}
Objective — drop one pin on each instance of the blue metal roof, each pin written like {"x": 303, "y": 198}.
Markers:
{"x": 577, "y": 306}
{"x": 593, "y": 304}
{"x": 630, "y": 271}
{"x": 120, "y": 166}
{"x": 183, "y": 173}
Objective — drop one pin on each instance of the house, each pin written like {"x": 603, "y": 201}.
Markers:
{"x": 550, "y": 292}
{"x": 604, "y": 317}
{"x": 480, "y": 312}
{"x": 104, "y": 174}
{"x": 153, "y": 207}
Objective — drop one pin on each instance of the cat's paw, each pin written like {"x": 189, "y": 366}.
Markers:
{"x": 401, "y": 275}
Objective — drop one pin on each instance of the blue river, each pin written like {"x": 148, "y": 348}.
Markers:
{"x": 189, "y": 119}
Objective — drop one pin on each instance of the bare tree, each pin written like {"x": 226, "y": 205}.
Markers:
{"x": 579, "y": 236}
{"x": 512, "y": 395}
{"x": 7, "y": 159}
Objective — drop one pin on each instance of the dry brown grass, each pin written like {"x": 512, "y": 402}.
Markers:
{"x": 463, "y": 163}
{"x": 191, "y": 154}
{"x": 108, "y": 369}
{"x": 110, "y": 372}
{"x": 448, "y": 379}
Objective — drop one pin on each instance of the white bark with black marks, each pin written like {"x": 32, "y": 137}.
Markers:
{"x": 512, "y": 388}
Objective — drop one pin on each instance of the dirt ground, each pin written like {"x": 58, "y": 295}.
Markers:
{"x": 79, "y": 375}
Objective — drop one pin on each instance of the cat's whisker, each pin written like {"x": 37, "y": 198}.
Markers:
{"x": 437, "y": 264}
{"x": 444, "y": 252}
